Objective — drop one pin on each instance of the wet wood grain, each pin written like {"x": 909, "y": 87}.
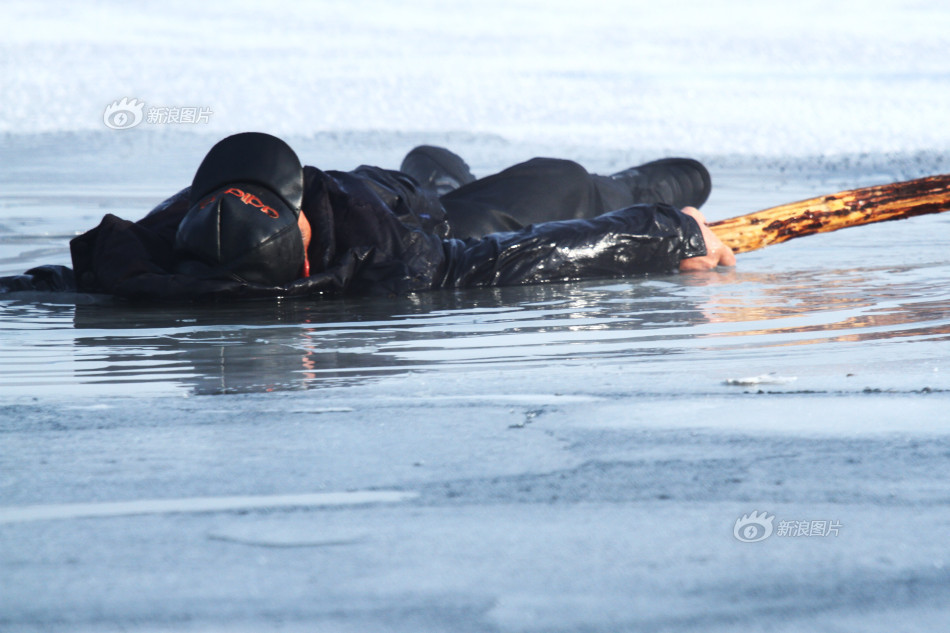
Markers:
{"x": 837, "y": 211}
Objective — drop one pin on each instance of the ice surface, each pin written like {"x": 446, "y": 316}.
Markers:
{"x": 201, "y": 504}
{"x": 682, "y": 76}
{"x": 764, "y": 379}
{"x": 565, "y": 457}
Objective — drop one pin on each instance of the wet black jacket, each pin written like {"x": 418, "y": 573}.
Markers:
{"x": 376, "y": 231}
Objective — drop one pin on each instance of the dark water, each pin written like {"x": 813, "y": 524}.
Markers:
{"x": 744, "y": 317}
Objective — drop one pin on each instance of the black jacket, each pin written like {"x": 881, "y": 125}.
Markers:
{"x": 376, "y": 231}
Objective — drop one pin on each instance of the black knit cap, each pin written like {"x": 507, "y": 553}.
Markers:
{"x": 245, "y": 201}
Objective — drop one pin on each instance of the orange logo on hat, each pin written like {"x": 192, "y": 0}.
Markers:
{"x": 254, "y": 201}
{"x": 246, "y": 198}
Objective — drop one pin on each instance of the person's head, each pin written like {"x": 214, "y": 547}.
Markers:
{"x": 245, "y": 221}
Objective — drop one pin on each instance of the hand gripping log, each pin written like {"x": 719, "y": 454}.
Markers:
{"x": 837, "y": 211}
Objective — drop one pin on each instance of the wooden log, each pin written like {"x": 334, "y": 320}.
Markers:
{"x": 837, "y": 211}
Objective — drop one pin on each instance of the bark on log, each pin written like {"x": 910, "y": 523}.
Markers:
{"x": 830, "y": 213}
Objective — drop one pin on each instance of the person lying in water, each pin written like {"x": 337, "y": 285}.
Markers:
{"x": 255, "y": 223}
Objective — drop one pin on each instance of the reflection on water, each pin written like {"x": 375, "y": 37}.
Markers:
{"x": 116, "y": 348}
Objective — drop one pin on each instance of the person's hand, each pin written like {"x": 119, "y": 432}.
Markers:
{"x": 717, "y": 253}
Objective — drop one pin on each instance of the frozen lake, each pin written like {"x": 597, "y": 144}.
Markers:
{"x": 567, "y": 457}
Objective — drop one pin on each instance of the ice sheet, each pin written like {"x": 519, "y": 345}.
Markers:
{"x": 693, "y": 76}
{"x": 564, "y": 457}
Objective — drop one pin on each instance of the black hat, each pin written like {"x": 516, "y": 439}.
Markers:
{"x": 245, "y": 200}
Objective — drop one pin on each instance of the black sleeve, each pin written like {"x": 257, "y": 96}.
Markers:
{"x": 412, "y": 205}
{"x": 639, "y": 239}
{"x": 47, "y": 278}
{"x": 362, "y": 243}
{"x": 117, "y": 250}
